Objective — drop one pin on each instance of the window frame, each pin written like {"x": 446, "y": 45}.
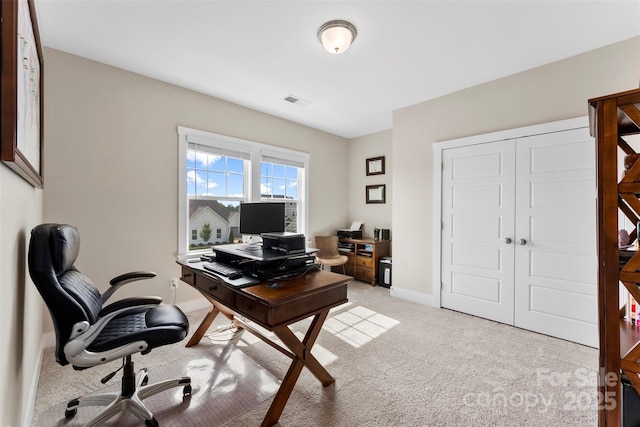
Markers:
{"x": 257, "y": 152}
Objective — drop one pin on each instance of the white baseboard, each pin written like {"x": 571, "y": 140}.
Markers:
{"x": 412, "y": 296}
{"x": 31, "y": 399}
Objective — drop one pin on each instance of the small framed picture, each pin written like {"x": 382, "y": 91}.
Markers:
{"x": 376, "y": 193}
{"x": 375, "y": 166}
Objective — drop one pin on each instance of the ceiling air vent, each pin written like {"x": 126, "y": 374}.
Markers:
{"x": 296, "y": 100}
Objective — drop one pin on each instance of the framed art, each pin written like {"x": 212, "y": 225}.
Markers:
{"x": 21, "y": 89}
{"x": 375, "y": 166}
{"x": 376, "y": 193}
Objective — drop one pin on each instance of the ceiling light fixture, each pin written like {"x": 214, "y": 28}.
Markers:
{"x": 336, "y": 36}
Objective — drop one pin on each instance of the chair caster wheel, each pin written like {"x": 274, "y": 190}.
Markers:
{"x": 70, "y": 413}
{"x": 151, "y": 423}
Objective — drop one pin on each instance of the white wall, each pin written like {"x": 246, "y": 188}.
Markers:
{"x": 111, "y": 162}
{"x": 20, "y": 304}
{"x": 553, "y": 92}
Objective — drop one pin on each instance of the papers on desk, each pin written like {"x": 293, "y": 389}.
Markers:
{"x": 356, "y": 225}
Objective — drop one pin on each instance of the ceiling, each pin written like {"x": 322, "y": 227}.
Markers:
{"x": 256, "y": 53}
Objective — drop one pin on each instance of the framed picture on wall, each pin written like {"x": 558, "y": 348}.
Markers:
{"x": 21, "y": 88}
{"x": 376, "y": 193}
{"x": 375, "y": 166}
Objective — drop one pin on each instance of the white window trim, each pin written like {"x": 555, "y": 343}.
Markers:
{"x": 256, "y": 151}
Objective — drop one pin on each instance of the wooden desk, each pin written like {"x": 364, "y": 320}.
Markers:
{"x": 275, "y": 309}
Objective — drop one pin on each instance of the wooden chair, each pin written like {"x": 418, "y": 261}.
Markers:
{"x": 328, "y": 252}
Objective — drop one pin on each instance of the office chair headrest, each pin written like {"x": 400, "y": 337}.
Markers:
{"x": 65, "y": 246}
{"x": 61, "y": 251}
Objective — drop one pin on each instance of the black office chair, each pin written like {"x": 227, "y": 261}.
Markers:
{"x": 88, "y": 333}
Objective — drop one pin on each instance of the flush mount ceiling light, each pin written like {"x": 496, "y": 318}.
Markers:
{"x": 336, "y": 36}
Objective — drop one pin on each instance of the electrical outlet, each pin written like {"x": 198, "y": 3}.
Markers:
{"x": 175, "y": 283}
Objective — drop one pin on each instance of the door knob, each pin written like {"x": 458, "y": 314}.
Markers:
{"x": 522, "y": 241}
{"x": 508, "y": 240}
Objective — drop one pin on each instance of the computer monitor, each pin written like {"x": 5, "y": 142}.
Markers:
{"x": 258, "y": 218}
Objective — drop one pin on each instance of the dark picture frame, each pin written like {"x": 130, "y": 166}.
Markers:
{"x": 21, "y": 90}
{"x": 376, "y": 193}
{"x": 375, "y": 166}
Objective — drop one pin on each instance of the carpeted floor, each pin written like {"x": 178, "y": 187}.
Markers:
{"x": 395, "y": 363}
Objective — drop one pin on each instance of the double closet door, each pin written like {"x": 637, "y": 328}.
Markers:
{"x": 519, "y": 233}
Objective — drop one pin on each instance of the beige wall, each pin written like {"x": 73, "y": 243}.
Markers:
{"x": 20, "y": 303}
{"x": 553, "y": 92}
{"x": 112, "y": 168}
{"x": 360, "y": 149}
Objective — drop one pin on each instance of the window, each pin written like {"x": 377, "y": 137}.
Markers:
{"x": 279, "y": 180}
{"x": 217, "y": 173}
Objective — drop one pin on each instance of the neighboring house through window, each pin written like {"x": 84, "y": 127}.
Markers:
{"x": 217, "y": 173}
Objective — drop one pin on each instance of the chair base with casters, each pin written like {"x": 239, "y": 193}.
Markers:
{"x": 133, "y": 391}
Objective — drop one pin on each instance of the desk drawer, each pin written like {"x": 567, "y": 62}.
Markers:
{"x": 216, "y": 289}
{"x": 251, "y": 308}
{"x": 363, "y": 261}
{"x": 188, "y": 276}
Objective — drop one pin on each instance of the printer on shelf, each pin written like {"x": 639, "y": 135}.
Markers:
{"x": 353, "y": 232}
{"x": 344, "y": 233}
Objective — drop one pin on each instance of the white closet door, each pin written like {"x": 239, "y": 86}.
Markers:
{"x": 477, "y": 216}
{"x": 556, "y": 264}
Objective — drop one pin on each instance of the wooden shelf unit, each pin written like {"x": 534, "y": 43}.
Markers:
{"x": 612, "y": 119}
{"x": 363, "y": 260}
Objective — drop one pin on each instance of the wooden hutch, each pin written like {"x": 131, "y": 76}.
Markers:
{"x": 363, "y": 258}
{"x": 614, "y": 119}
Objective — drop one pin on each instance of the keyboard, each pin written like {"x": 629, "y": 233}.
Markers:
{"x": 221, "y": 269}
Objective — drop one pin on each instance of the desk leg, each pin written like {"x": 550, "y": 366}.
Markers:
{"x": 302, "y": 350}
{"x": 303, "y": 357}
{"x": 216, "y": 308}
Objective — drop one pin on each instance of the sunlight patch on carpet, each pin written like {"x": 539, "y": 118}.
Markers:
{"x": 359, "y": 325}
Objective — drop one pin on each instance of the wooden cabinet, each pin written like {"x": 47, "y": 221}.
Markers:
{"x": 364, "y": 255}
{"x": 614, "y": 119}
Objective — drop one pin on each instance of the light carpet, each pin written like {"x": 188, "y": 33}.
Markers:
{"x": 396, "y": 363}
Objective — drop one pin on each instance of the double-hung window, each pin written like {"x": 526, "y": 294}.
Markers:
{"x": 217, "y": 173}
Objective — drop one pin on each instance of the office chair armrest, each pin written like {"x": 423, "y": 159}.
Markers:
{"x": 82, "y": 335}
{"x": 129, "y": 302}
{"x": 123, "y": 279}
